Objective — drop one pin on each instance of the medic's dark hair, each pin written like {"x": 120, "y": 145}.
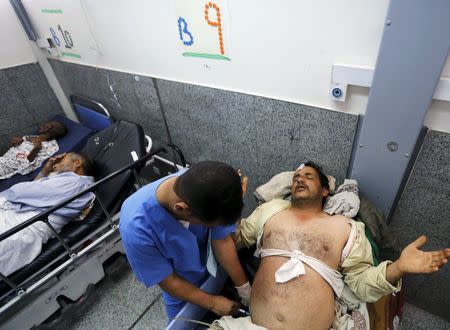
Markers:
{"x": 213, "y": 192}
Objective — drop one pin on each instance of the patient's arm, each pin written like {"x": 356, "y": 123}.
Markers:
{"x": 414, "y": 261}
{"x": 48, "y": 168}
{"x": 16, "y": 141}
{"x": 370, "y": 283}
{"x": 37, "y": 146}
{"x": 178, "y": 287}
{"x": 251, "y": 227}
{"x": 365, "y": 280}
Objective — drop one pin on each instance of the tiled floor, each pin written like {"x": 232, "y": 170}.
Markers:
{"x": 121, "y": 302}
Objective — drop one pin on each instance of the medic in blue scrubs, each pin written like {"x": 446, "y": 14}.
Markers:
{"x": 167, "y": 226}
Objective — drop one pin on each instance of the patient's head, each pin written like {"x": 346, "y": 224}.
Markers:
{"x": 309, "y": 184}
{"x": 53, "y": 130}
{"x": 75, "y": 162}
{"x": 210, "y": 193}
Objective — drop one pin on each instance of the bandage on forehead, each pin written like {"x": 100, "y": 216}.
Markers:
{"x": 323, "y": 177}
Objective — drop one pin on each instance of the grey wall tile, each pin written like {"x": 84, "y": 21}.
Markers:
{"x": 26, "y": 101}
{"x": 125, "y": 97}
{"x": 424, "y": 208}
{"x": 262, "y": 136}
{"x": 291, "y": 133}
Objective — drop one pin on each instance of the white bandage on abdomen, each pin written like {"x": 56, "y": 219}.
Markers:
{"x": 295, "y": 267}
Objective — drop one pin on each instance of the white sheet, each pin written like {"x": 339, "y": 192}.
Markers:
{"x": 23, "y": 247}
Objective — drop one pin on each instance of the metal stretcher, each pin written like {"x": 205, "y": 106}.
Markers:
{"x": 74, "y": 140}
{"x": 72, "y": 262}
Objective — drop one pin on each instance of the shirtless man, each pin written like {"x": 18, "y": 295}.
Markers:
{"x": 281, "y": 300}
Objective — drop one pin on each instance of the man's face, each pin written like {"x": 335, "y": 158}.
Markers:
{"x": 45, "y": 127}
{"x": 306, "y": 185}
{"x": 66, "y": 164}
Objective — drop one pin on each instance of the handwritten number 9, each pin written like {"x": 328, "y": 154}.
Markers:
{"x": 216, "y": 23}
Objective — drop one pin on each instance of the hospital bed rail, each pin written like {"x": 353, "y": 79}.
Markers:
{"x": 43, "y": 216}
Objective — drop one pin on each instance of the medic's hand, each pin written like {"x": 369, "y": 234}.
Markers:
{"x": 244, "y": 292}
{"x": 414, "y": 261}
{"x": 224, "y": 306}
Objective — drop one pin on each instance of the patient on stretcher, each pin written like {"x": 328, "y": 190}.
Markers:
{"x": 62, "y": 177}
{"x": 29, "y": 152}
{"x": 313, "y": 264}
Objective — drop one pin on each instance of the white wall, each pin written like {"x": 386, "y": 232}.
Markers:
{"x": 282, "y": 50}
{"x": 14, "y": 47}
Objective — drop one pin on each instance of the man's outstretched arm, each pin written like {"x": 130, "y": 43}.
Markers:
{"x": 415, "y": 261}
{"x": 370, "y": 283}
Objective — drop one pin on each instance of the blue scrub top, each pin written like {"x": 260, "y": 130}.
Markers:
{"x": 157, "y": 245}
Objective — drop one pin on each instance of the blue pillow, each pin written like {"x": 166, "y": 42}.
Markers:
{"x": 92, "y": 119}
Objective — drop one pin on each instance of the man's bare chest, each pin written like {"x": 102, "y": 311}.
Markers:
{"x": 316, "y": 240}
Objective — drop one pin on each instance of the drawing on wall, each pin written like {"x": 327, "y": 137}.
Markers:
{"x": 203, "y": 28}
{"x": 65, "y": 23}
{"x": 60, "y": 35}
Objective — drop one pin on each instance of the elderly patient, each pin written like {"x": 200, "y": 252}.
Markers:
{"x": 62, "y": 177}
{"x": 29, "y": 152}
{"x": 308, "y": 256}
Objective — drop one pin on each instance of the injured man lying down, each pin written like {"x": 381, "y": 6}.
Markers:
{"x": 314, "y": 266}
{"x": 62, "y": 177}
{"x": 29, "y": 152}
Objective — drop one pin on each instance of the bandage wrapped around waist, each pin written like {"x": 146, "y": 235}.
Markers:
{"x": 294, "y": 267}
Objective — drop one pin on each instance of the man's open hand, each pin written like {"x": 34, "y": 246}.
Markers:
{"x": 414, "y": 261}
